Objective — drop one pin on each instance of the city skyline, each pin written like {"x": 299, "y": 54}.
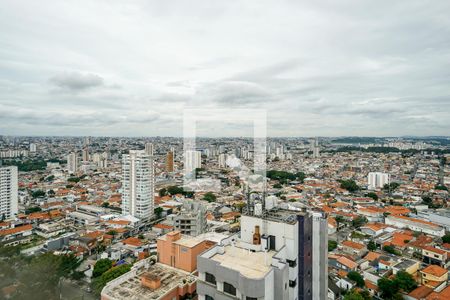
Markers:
{"x": 344, "y": 69}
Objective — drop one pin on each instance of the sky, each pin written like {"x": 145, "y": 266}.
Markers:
{"x": 318, "y": 68}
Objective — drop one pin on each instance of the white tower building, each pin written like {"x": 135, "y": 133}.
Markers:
{"x": 376, "y": 180}
{"x": 138, "y": 184}
{"x": 72, "y": 163}
{"x": 192, "y": 161}
{"x": 149, "y": 149}
{"x": 8, "y": 192}
{"x": 222, "y": 160}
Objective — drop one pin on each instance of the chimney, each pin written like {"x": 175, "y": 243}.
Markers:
{"x": 256, "y": 236}
{"x": 173, "y": 236}
{"x": 151, "y": 281}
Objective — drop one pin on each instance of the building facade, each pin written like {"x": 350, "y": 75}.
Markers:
{"x": 72, "y": 163}
{"x": 273, "y": 258}
{"x": 137, "y": 184}
{"x": 376, "y": 180}
{"x": 169, "y": 162}
{"x": 192, "y": 161}
{"x": 8, "y": 192}
{"x": 149, "y": 149}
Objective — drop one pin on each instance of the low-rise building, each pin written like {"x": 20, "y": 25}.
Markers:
{"x": 151, "y": 281}
{"x": 416, "y": 225}
{"x": 433, "y": 276}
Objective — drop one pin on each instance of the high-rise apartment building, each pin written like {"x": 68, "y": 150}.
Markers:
{"x": 100, "y": 159}
{"x": 376, "y": 180}
{"x": 279, "y": 255}
{"x": 32, "y": 147}
{"x": 192, "y": 161}
{"x": 149, "y": 150}
{"x": 72, "y": 163}
{"x": 222, "y": 160}
{"x": 169, "y": 161}
{"x": 8, "y": 192}
{"x": 85, "y": 154}
{"x": 137, "y": 184}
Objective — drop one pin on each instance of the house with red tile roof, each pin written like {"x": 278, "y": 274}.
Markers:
{"x": 16, "y": 232}
{"x": 132, "y": 242}
{"x": 435, "y": 256}
{"x": 354, "y": 248}
{"x": 433, "y": 276}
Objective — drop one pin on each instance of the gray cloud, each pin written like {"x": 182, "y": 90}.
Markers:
{"x": 75, "y": 81}
{"x": 319, "y": 68}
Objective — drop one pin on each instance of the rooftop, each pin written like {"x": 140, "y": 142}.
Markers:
{"x": 132, "y": 288}
{"x": 281, "y": 215}
{"x": 434, "y": 270}
{"x": 249, "y": 264}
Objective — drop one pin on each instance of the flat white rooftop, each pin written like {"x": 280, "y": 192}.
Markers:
{"x": 249, "y": 264}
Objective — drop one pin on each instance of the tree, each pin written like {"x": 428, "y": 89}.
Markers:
{"x": 38, "y": 277}
{"x": 372, "y": 195}
{"x": 282, "y": 176}
{"x": 173, "y": 190}
{"x": 349, "y": 185}
{"x": 391, "y": 249}
{"x": 339, "y": 220}
{"x": 210, "y": 197}
{"x": 446, "y": 238}
{"x": 356, "y": 277}
{"x": 359, "y": 221}
{"x": 277, "y": 186}
{"x": 427, "y": 199}
{"x": 100, "y": 282}
{"x": 32, "y": 210}
{"x": 371, "y": 246}
{"x": 105, "y": 204}
{"x": 405, "y": 281}
{"x": 101, "y": 266}
{"x": 387, "y": 287}
{"x": 441, "y": 187}
{"x": 353, "y": 295}
{"x": 300, "y": 176}
{"x": 162, "y": 192}
{"x": 332, "y": 245}
{"x": 38, "y": 194}
{"x": 239, "y": 206}
{"x": 112, "y": 232}
{"x": 158, "y": 211}
{"x": 391, "y": 186}
{"x": 50, "y": 178}
{"x": 73, "y": 179}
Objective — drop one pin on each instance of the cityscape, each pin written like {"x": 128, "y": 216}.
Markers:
{"x": 213, "y": 150}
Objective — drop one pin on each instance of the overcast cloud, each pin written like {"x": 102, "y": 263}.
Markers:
{"x": 328, "y": 68}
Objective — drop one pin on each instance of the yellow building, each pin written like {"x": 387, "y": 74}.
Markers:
{"x": 433, "y": 276}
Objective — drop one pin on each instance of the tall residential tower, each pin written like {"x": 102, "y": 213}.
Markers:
{"x": 137, "y": 184}
{"x": 8, "y": 192}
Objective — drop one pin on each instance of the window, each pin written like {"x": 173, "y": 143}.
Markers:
{"x": 210, "y": 278}
{"x": 292, "y": 283}
{"x": 208, "y": 297}
{"x": 229, "y": 289}
{"x": 250, "y": 298}
{"x": 292, "y": 263}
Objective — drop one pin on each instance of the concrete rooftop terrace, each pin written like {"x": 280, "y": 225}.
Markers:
{"x": 250, "y": 264}
{"x": 132, "y": 288}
